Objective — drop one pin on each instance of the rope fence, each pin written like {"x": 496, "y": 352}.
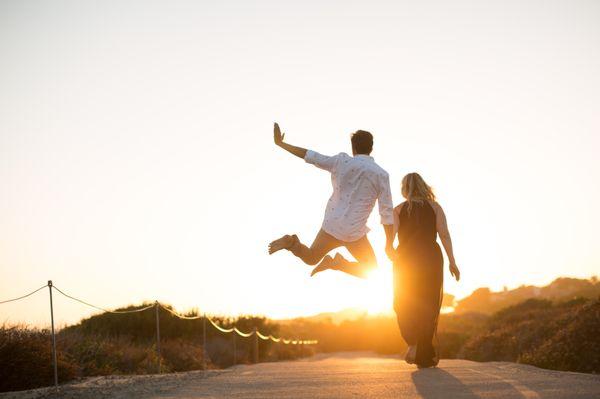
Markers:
{"x": 24, "y": 296}
{"x": 102, "y": 309}
{"x": 157, "y": 305}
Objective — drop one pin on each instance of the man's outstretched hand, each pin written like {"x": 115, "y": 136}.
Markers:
{"x": 292, "y": 149}
{"x": 277, "y": 135}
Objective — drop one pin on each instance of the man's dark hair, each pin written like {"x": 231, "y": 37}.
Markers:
{"x": 362, "y": 142}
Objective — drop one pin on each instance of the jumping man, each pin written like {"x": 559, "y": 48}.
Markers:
{"x": 357, "y": 183}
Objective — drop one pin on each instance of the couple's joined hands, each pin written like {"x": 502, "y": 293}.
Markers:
{"x": 391, "y": 252}
{"x": 393, "y": 256}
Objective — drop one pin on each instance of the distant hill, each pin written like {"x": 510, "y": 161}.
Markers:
{"x": 351, "y": 314}
{"x": 483, "y": 300}
{"x": 338, "y": 317}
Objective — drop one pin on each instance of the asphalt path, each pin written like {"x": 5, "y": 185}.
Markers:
{"x": 365, "y": 375}
{"x": 338, "y": 375}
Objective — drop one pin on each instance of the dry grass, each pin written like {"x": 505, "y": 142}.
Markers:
{"x": 109, "y": 344}
{"x": 26, "y": 359}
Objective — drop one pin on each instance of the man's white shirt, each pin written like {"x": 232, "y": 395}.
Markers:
{"x": 357, "y": 183}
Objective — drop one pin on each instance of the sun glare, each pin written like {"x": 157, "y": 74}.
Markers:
{"x": 379, "y": 292}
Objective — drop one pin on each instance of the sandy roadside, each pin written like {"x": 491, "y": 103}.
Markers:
{"x": 135, "y": 386}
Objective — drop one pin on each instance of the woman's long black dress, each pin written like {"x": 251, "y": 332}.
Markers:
{"x": 418, "y": 280}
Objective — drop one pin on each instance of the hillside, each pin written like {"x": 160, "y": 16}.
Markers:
{"x": 559, "y": 336}
{"x": 483, "y": 300}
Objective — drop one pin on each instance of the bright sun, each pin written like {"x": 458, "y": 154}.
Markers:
{"x": 378, "y": 290}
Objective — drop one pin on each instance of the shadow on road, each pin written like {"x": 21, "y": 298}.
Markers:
{"x": 435, "y": 383}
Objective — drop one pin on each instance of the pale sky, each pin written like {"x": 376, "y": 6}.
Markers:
{"x": 136, "y": 155}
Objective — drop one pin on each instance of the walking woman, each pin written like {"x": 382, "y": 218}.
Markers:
{"x": 418, "y": 268}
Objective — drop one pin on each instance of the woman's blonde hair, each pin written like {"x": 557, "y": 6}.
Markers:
{"x": 415, "y": 190}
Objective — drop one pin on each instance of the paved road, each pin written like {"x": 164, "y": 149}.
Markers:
{"x": 341, "y": 375}
{"x": 366, "y": 375}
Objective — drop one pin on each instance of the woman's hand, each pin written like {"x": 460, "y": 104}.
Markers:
{"x": 454, "y": 271}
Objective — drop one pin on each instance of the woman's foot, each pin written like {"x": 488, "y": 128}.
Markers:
{"x": 426, "y": 365}
{"x": 285, "y": 242}
{"x": 433, "y": 362}
{"x": 411, "y": 354}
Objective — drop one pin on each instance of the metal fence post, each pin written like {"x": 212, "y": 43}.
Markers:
{"x": 278, "y": 350}
{"x": 255, "y": 345}
{"x": 157, "y": 337}
{"x": 204, "y": 342}
{"x": 54, "y": 362}
{"x": 234, "y": 349}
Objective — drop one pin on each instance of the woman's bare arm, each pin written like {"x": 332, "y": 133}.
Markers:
{"x": 444, "y": 233}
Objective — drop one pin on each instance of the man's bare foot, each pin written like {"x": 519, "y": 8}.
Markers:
{"x": 329, "y": 263}
{"x": 285, "y": 242}
{"x": 325, "y": 264}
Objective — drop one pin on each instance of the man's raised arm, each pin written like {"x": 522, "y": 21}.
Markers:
{"x": 319, "y": 160}
{"x": 278, "y": 138}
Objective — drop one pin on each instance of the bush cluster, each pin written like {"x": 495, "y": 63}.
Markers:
{"x": 559, "y": 336}
{"x": 26, "y": 359}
